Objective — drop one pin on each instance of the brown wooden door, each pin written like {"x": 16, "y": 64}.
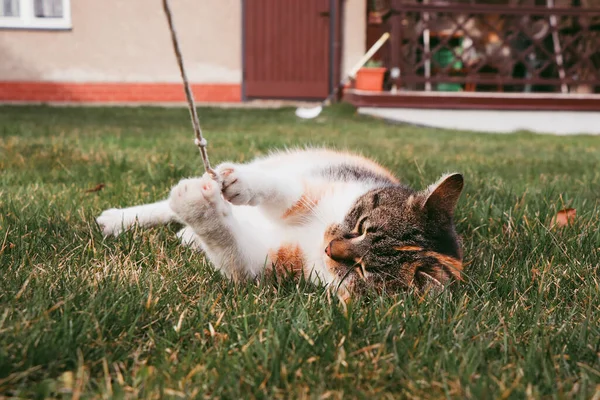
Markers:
{"x": 287, "y": 49}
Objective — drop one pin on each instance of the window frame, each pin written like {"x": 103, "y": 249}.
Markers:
{"x": 28, "y": 20}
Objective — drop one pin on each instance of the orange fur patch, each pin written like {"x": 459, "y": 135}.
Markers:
{"x": 408, "y": 248}
{"x": 301, "y": 207}
{"x": 310, "y": 199}
{"x": 328, "y": 237}
{"x": 455, "y": 266}
{"x": 287, "y": 259}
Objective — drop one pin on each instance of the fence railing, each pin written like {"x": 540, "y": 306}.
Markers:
{"x": 490, "y": 47}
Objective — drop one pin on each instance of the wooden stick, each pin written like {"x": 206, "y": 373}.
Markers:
{"x": 427, "y": 48}
{"x": 557, "y": 50}
{"x": 199, "y": 141}
{"x": 376, "y": 46}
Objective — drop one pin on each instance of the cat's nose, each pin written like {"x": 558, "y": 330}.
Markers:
{"x": 328, "y": 250}
{"x": 340, "y": 250}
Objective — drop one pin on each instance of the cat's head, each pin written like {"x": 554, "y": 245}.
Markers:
{"x": 397, "y": 238}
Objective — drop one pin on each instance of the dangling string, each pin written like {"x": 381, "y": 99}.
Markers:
{"x": 199, "y": 141}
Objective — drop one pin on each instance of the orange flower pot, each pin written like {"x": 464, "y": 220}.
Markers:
{"x": 370, "y": 79}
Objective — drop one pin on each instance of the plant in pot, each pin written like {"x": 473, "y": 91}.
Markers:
{"x": 370, "y": 76}
{"x": 378, "y": 9}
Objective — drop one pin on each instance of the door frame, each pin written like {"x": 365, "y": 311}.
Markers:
{"x": 336, "y": 14}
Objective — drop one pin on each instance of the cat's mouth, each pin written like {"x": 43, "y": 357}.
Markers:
{"x": 344, "y": 255}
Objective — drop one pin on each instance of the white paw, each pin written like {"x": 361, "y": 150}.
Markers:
{"x": 237, "y": 184}
{"x": 188, "y": 238}
{"x": 198, "y": 200}
{"x": 114, "y": 221}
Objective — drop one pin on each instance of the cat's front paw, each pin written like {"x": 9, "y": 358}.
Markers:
{"x": 113, "y": 221}
{"x": 198, "y": 200}
{"x": 238, "y": 184}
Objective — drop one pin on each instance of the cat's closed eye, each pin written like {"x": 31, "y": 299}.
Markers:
{"x": 360, "y": 225}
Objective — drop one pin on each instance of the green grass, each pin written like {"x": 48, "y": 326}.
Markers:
{"x": 80, "y": 315}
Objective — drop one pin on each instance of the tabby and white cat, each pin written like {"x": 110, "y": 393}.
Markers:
{"x": 337, "y": 218}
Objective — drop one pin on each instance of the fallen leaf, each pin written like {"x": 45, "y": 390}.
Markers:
{"x": 563, "y": 218}
{"x": 96, "y": 188}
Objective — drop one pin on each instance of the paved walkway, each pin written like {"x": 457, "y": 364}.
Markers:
{"x": 549, "y": 122}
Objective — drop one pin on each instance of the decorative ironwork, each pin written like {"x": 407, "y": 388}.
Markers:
{"x": 490, "y": 46}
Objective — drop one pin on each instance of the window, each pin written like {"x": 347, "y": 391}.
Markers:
{"x": 35, "y": 14}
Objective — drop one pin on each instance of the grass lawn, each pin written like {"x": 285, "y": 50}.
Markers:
{"x": 140, "y": 316}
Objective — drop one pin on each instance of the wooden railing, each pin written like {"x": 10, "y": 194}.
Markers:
{"x": 492, "y": 48}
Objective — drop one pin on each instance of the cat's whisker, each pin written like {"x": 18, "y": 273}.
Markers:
{"x": 306, "y": 218}
{"x": 393, "y": 277}
{"x": 312, "y": 208}
{"x": 431, "y": 278}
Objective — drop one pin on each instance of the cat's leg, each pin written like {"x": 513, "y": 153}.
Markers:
{"x": 249, "y": 184}
{"x": 188, "y": 238}
{"x": 116, "y": 220}
{"x": 238, "y": 249}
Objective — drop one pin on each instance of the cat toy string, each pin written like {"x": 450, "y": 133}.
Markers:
{"x": 199, "y": 141}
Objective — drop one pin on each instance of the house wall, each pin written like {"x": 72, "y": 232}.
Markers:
{"x": 355, "y": 33}
{"x": 121, "y": 51}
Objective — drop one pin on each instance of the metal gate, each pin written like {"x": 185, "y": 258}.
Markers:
{"x": 287, "y": 48}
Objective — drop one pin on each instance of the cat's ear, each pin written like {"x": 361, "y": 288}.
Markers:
{"x": 442, "y": 196}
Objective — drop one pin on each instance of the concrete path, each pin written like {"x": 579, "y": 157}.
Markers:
{"x": 550, "y": 122}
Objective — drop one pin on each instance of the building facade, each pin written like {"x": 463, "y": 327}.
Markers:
{"x": 82, "y": 51}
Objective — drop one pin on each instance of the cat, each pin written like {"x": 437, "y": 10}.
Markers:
{"x": 337, "y": 218}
